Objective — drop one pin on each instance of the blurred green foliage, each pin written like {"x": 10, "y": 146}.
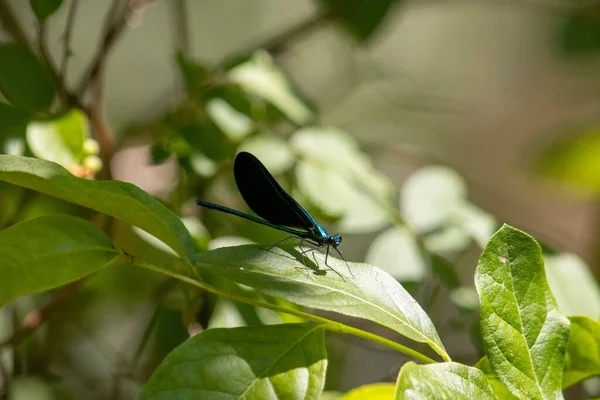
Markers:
{"x": 124, "y": 324}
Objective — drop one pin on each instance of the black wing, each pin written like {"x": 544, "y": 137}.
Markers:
{"x": 265, "y": 196}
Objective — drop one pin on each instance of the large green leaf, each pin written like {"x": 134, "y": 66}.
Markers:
{"x": 45, "y": 8}
{"x": 500, "y": 390}
{"x": 119, "y": 199}
{"x": 442, "y": 381}
{"x": 583, "y": 353}
{"x": 267, "y": 362}
{"x": 524, "y": 335}
{"x": 50, "y": 251}
{"x": 23, "y": 80}
{"x": 370, "y": 294}
{"x": 360, "y": 17}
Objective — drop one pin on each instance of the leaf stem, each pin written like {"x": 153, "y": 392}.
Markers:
{"x": 327, "y": 323}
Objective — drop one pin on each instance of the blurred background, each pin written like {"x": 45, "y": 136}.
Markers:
{"x": 413, "y": 128}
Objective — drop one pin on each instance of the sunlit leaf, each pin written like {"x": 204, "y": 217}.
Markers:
{"x": 233, "y": 123}
{"x": 340, "y": 180}
{"x": 448, "y": 240}
{"x": 583, "y": 353}
{"x": 465, "y": 298}
{"x": 525, "y": 336}
{"x": 501, "y": 391}
{"x": 375, "y": 391}
{"x": 260, "y": 76}
{"x": 573, "y": 285}
{"x": 118, "y": 199}
{"x": 371, "y": 294}
{"x": 59, "y": 139}
{"x": 574, "y": 161}
{"x": 396, "y": 251}
{"x": 479, "y": 224}
{"x": 23, "y": 80}
{"x": 271, "y": 150}
{"x": 50, "y": 251}
{"x": 228, "y": 241}
{"x": 266, "y": 362}
{"x": 442, "y": 381}
{"x": 430, "y": 196}
{"x": 225, "y": 315}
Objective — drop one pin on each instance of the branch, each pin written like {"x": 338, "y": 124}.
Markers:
{"x": 114, "y": 25}
{"x": 11, "y": 24}
{"x": 279, "y": 43}
{"x": 182, "y": 27}
{"x": 68, "y": 33}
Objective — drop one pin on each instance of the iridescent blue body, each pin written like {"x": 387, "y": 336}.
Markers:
{"x": 276, "y": 207}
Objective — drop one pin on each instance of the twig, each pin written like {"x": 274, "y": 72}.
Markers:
{"x": 112, "y": 32}
{"x": 182, "y": 26}
{"x": 114, "y": 24}
{"x": 68, "y": 33}
{"x": 278, "y": 44}
{"x": 11, "y": 24}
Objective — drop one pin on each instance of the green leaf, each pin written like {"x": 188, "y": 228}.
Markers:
{"x": 271, "y": 150}
{"x": 583, "y": 353}
{"x": 45, "y": 8}
{"x": 500, "y": 390}
{"x": 580, "y": 33}
{"x": 573, "y": 285}
{"x": 574, "y": 161}
{"x": 31, "y": 387}
{"x": 524, "y": 335}
{"x": 119, "y": 199}
{"x": 333, "y": 167}
{"x": 442, "y": 381}
{"x": 371, "y": 294}
{"x": 396, "y": 251}
{"x": 430, "y": 195}
{"x": 59, "y": 139}
{"x": 360, "y": 17}
{"x": 267, "y": 362}
{"x": 12, "y": 121}
{"x": 23, "y": 80}
{"x": 374, "y": 391}
{"x": 50, "y": 251}
{"x": 232, "y": 122}
{"x": 196, "y": 77}
{"x": 261, "y": 77}
{"x": 445, "y": 271}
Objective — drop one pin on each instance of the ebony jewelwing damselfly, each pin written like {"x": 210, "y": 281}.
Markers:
{"x": 275, "y": 207}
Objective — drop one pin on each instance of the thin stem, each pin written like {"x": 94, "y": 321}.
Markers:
{"x": 328, "y": 324}
{"x": 67, "y": 35}
{"x": 182, "y": 27}
{"x": 277, "y": 44}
